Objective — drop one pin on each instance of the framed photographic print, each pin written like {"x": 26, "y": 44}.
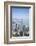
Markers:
{"x": 19, "y": 26}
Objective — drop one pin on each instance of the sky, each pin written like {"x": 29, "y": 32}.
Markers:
{"x": 21, "y": 13}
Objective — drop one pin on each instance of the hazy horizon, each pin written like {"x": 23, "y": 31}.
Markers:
{"x": 21, "y": 14}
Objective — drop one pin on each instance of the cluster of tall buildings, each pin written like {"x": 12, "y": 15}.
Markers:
{"x": 19, "y": 27}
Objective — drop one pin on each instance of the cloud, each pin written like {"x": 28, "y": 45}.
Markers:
{"x": 20, "y": 17}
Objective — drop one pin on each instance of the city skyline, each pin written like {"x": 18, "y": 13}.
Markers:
{"x": 20, "y": 21}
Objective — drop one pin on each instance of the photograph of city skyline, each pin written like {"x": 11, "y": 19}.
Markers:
{"x": 20, "y": 21}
